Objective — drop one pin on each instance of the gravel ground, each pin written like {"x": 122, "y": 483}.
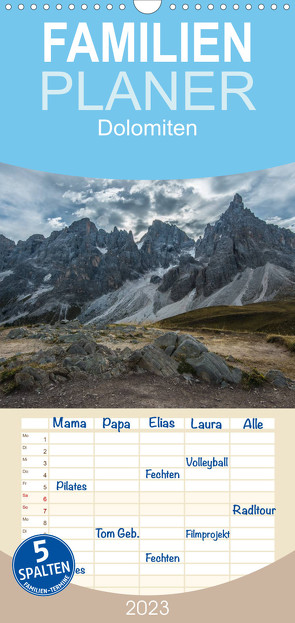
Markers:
{"x": 147, "y": 391}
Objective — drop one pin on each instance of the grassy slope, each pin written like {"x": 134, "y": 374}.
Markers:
{"x": 269, "y": 317}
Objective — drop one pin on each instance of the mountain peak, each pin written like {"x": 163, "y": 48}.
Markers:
{"x": 239, "y": 259}
{"x": 236, "y": 204}
{"x": 6, "y": 240}
{"x": 158, "y": 224}
{"x": 236, "y": 212}
{"x": 6, "y": 248}
{"x": 238, "y": 199}
{"x": 83, "y": 226}
{"x": 166, "y": 232}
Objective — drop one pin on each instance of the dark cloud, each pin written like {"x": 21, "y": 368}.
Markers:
{"x": 36, "y": 202}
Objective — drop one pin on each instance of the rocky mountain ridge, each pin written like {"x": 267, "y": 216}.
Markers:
{"x": 85, "y": 272}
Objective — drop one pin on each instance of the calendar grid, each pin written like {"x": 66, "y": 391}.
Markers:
{"x": 48, "y": 487}
{"x": 93, "y": 508}
{"x": 170, "y": 493}
{"x": 139, "y": 512}
{"x": 184, "y": 509}
{"x": 229, "y": 511}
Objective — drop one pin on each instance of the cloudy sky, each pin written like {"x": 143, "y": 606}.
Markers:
{"x": 34, "y": 202}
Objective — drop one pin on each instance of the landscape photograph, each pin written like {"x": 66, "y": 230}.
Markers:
{"x": 140, "y": 294}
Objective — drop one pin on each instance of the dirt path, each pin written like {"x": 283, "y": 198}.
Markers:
{"x": 250, "y": 350}
{"x": 147, "y": 391}
{"x": 246, "y": 351}
{"x": 10, "y": 348}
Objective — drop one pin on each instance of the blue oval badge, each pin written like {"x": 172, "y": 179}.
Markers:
{"x": 43, "y": 565}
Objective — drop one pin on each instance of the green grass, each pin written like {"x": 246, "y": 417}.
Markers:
{"x": 9, "y": 374}
{"x": 270, "y": 317}
{"x": 254, "y": 378}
